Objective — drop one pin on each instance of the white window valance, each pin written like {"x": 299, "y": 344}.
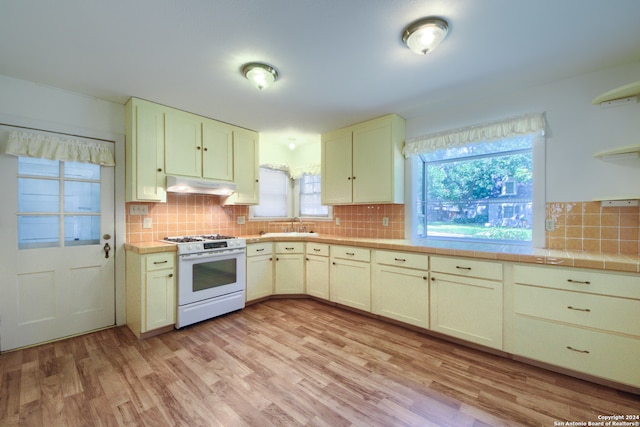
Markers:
{"x": 52, "y": 147}
{"x": 294, "y": 173}
{"x": 523, "y": 125}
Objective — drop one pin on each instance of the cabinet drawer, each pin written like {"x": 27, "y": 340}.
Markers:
{"x": 572, "y": 279}
{"x": 595, "y": 311}
{"x": 596, "y": 353}
{"x": 403, "y": 259}
{"x": 317, "y": 249}
{"x": 467, "y": 267}
{"x": 355, "y": 254}
{"x": 256, "y": 249}
{"x": 289, "y": 247}
{"x": 160, "y": 261}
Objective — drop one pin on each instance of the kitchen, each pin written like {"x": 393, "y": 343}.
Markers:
{"x": 576, "y": 131}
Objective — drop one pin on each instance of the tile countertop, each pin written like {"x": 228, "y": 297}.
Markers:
{"x": 593, "y": 260}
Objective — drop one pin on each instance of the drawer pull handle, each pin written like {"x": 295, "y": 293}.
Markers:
{"x": 576, "y": 350}
{"x": 351, "y": 253}
{"x": 260, "y": 250}
{"x": 316, "y": 249}
{"x": 463, "y": 268}
{"x": 578, "y": 309}
{"x": 400, "y": 259}
{"x": 289, "y": 249}
{"x": 161, "y": 262}
{"x": 579, "y": 281}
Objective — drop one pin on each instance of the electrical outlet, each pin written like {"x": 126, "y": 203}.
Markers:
{"x": 549, "y": 224}
{"x": 138, "y": 210}
{"x": 147, "y": 223}
{"x": 385, "y": 221}
{"x": 241, "y": 219}
{"x": 337, "y": 221}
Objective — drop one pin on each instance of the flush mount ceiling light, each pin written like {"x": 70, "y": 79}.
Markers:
{"x": 261, "y": 75}
{"x": 425, "y": 34}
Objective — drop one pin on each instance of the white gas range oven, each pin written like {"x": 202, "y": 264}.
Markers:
{"x": 211, "y": 276}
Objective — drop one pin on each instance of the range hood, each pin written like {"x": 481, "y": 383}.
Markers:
{"x": 180, "y": 184}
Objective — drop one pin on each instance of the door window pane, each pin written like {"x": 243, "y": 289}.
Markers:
{"x": 81, "y": 230}
{"x": 81, "y": 170}
{"x": 38, "y": 195}
{"x": 38, "y": 167}
{"x": 38, "y": 231}
{"x": 81, "y": 196}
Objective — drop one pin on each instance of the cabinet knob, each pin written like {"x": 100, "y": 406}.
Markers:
{"x": 170, "y": 274}
{"x": 206, "y": 149}
{"x": 433, "y": 279}
{"x": 354, "y": 177}
{"x": 424, "y": 277}
{"x": 277, "y": 259}
{"x": 159, "y": 169}
{"x": 198, "y": 147}
{"x": 349, "y": 178}
{"x": 307, "y": 259}
{"x": 333, "y": 263}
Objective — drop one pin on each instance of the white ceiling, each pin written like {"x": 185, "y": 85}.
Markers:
{"x": 340, "y": 61}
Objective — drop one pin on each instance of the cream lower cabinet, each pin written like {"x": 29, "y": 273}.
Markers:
{"x": 317, "y": 270}
{"x": 151, "y": 291}
{"x": 579, "y": 319}
{"x": 400, "y": 287}
{"x": 350, "y": 277}
{"x": 289, "y": 265}
{"x": 259, "y": 270}
{"x": 467, "y": 300}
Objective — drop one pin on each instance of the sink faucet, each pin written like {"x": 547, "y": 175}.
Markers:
{"x": 292, "y": 221}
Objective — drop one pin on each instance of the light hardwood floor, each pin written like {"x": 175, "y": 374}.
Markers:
{"x": 287, "y": 362}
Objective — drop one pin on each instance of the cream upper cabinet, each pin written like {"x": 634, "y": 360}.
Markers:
{"x": 246, "y": 169}
{"x": 217, "y": 150}
{"x": 144, "y": 151}
{"x": 364, "y": 163}
{"x": 183, "y": 146}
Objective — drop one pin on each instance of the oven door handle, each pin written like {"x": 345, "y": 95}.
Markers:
{"x": 211, "y": 255}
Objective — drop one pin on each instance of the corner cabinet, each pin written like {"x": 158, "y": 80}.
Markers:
{"x": 144, "y": 152}
{"x": 364, "y": 163}
{"x": 151, "y": 292}
{"x": 467, "y": 300}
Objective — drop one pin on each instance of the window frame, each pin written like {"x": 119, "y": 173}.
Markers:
{"x": 414, "y": 163}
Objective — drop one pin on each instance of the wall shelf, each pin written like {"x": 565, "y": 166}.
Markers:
{"x": 626, "y": 91}
{"x": 626, "y": 151}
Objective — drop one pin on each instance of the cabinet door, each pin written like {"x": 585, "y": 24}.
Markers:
{"x": 336, "y": 168}
{"x": 217, "y": 151}
{"x": 183, "y": 145}
{"x": 289, "y": 274}
{"x": 373, "y": 163}
{"x": 160, "y": 299}
{"x": 317, "y": 275}
{"x": 259, "y": 277}
{"x": 245, "y": 165}
{"x": 467, "y": 308}
{"x": 145, "y": 152}
{"x": 350, "y": 283}
{"x": 401, "y": 294}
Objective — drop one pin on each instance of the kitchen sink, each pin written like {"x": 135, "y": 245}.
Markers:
{"x": 291, "y": 234}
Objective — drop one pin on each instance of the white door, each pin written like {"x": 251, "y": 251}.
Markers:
{"x": 55, "y": 219}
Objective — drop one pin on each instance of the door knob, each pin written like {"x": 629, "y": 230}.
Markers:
{"x": 106, "y": 248}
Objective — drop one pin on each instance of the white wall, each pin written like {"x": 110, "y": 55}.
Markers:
{"x": 36, "y": 106}
{"x": 575, "y": 131}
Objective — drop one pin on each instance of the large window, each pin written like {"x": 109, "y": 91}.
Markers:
{"x": 283, "y": 197}
{"x": 480, "y": 192}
